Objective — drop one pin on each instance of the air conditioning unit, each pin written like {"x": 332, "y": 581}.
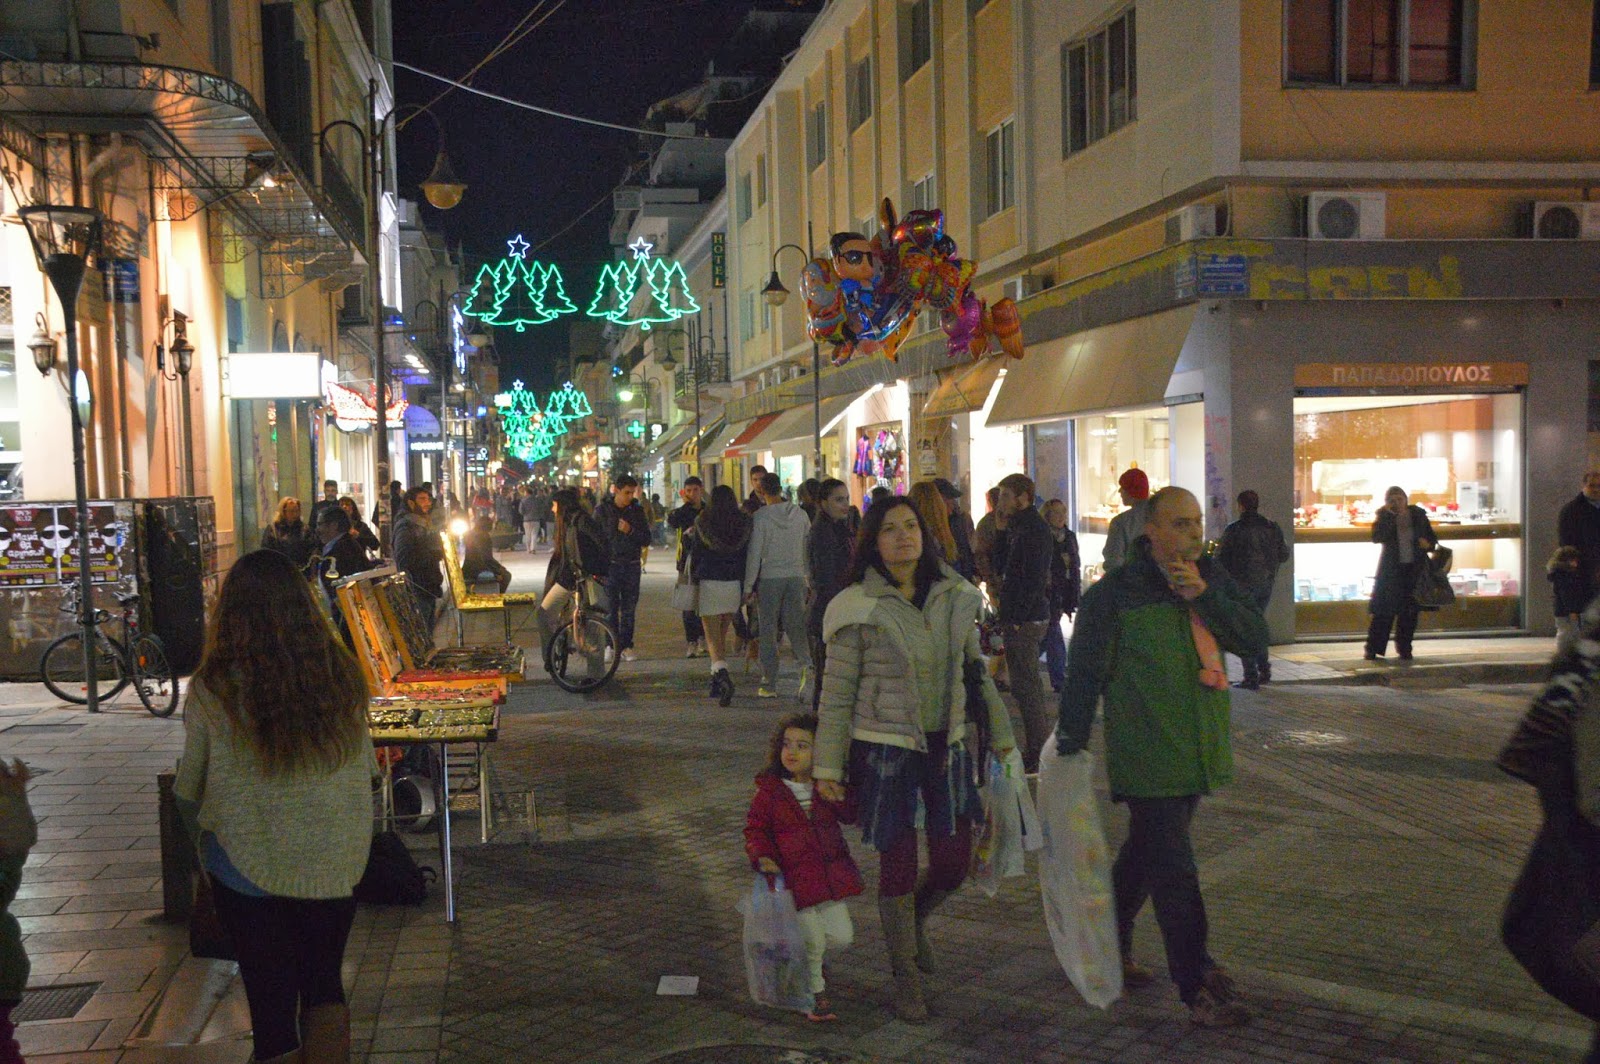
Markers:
{"x": 1195, "y": 222}
{"x": 1566, "y": 221}
{"x": 630, "y": 198}
{"x": 1345, "y": 215}
{"x": 1029, "y": 284}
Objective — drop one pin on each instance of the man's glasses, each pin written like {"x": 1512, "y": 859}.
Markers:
{"x": 855, "y": 258}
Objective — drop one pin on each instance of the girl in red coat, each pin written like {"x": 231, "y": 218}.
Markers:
{"x": 793, "y": 831}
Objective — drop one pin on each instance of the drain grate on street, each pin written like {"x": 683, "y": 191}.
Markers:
{"x": 43, "y": 729}
{"x": 53, "y": 1002}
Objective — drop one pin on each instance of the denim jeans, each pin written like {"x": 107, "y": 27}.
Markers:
{"x": 1055, "y": 653}
{"x": 623, "y": 586}
{"x": 1157, "y": 862}
{"x": 693, "y": 629}
{"x": 782, "y": 604}
{"x": 1257, "y": 667}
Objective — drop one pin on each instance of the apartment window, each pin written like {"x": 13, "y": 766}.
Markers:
{"x": 766, "y": 315}
{"x": 1594, "y": 50}
{"x": 916, "y": 37}
{"x": 1377, "y": 42}
{"x": 817, "y": 135}
{"x": 1001, "y": 156}
{"x": 744, "y": 196}
{"x": 1099, "y": 83}
{"x": 761, "y": 180}
{"x": 747, "y": 315}
{"x": 922, "y": 195}
{"x": 860, "y": 92}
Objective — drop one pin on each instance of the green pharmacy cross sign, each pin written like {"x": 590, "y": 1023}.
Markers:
{"x": 636, "y": 429}
{"x": 518, "y": 292}
{"x": 531, "y": 434}
{"x": 644, "y": 292}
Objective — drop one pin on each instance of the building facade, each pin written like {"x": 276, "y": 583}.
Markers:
{"x": 1287, "y": 259}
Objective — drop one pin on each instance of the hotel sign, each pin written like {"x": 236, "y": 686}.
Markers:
{"x": 1454, "y": 375}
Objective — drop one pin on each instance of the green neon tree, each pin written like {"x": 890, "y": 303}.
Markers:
{"x": 481, "y": 301}
{"x": 643, "y": 292}
{"x": 520, "y": 291}
{"x": 553, "y": 293}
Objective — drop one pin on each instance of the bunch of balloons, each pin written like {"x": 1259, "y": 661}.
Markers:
{"x": 865, "y": 296}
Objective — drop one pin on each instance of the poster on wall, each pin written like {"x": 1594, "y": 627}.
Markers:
{"x": 38, "y": 544}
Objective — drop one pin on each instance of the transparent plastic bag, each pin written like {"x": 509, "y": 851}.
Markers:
{"x": 1075, "y": 876}
{"x": 774, "y": 948}
{"x": 1008, "y": 812}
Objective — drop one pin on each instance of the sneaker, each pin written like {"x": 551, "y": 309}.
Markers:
{"x": 690, "y": 653}
{"x": 629, "y": 655}
{"x": 766, "y": 692}
{"x": 1207, "y": 1010}
{"x": 724, "y": 684}
{"x": 1135, "y": 976}
{"x": 701, "y": 650}
{"x": 821, "y": 1010}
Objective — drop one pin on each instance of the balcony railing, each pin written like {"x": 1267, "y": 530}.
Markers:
{"x": 713, "y": 369}
{"x": 342, "y": 195}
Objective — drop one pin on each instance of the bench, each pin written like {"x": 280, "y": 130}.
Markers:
{"x": 468, "y": 600}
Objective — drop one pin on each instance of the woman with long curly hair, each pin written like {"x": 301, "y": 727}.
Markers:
{"x": 288, "y": 534}
{"x": 936, "y": 516}
{"x": 893, "y": 721}
{"x": 275, "y": 785}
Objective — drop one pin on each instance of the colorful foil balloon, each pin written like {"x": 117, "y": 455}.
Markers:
{"x": 865, "y": 296}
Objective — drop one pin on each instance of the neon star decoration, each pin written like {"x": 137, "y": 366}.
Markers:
{"x": 644, "y": 292}
{"x": 517, "y": 291}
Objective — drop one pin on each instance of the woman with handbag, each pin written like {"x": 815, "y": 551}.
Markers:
{"x": 275, "y": 785}
{"x": 717, "y": 544}
{"x": 1406, "y": 537}
{"x": 894, "y": 722}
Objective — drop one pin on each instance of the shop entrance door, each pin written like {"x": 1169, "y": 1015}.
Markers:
{"x": 272, "y": 460}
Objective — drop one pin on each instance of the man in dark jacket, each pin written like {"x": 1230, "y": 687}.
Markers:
{"x": 419, "y": 552}
{"x": 1148, "y": 642}
{"x": 627, "y": 530}
{"x": 1579, "y": 526}
{"x": 1252, "y": 549}
{"x": 829, "y": 545}
{"x": 681, "y": 520}
{"x": 1024, "y": 607}
{"x": 960, "y": 527}
{"x": 329, "y": 501}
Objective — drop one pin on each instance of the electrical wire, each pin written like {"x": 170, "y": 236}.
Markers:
{"x": 509, "y": 41}
{"x": 544, "y": 110}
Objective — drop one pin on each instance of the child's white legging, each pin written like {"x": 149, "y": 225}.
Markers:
{"x": 825, "y": 926}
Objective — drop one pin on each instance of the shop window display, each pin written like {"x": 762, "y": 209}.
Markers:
{"x": 880, "y": 458}
{"x": 1460, "y": 458}
{"x": 1107, "y": 446}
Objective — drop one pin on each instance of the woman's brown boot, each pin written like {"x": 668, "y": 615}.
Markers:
{"x": 899, "y": 916}
{"x": 928, "y": 899}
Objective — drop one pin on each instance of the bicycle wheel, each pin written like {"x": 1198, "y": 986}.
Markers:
{"x": 153, "y": 677}
{"x": 582, "y": 655}
{"x": 61, "y": 668}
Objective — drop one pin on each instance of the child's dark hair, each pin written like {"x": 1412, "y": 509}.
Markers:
{"x": 803, "y": 721}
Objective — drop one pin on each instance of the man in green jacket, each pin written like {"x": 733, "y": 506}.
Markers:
{"x": 1148, "y": 640}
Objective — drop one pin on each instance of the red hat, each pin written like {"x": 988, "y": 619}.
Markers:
{"x": 1135, "y": 483}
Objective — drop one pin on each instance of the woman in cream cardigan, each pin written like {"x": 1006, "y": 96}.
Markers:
{"x": 275, "y": 784}
{"x": 893, "y": 723}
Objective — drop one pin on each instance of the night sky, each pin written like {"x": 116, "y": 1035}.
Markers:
{"x": 532, "y": 174}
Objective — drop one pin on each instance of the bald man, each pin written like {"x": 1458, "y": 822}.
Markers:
{"x": 1148, "y": 640}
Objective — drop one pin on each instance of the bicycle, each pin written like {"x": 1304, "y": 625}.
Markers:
{"x": 137, "y": 658}
{"x": 582, "y": 655}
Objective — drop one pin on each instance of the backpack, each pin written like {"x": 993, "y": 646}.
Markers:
{"x": 392, "y": 876}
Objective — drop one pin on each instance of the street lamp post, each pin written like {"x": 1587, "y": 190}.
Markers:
{"x": 63, "y": 239}
{"x": 776, "y": 294}
{"x": 443, "y": 190}
{"x": 182, "y": 352}
{"x": 693, "y": 353}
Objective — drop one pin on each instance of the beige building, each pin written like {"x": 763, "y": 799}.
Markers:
{"x": 1250, "y": 251}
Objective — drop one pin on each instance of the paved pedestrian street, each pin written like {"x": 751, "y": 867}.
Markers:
{"x": 1354, "y": 876}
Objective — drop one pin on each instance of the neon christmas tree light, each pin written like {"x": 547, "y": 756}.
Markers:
{"x": 644, "y": 292}
{"x": 517, "y": 291}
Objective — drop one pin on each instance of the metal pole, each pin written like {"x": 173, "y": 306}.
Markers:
{"x": 816, "y": 385}
{"x": 80, "y": 486}
{"x": 380, "y": 369}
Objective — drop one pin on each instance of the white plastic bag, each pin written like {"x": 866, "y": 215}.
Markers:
{"x": 774, "y": 948}
{"x": 1075, "y": 876}
{"x": 1010, "y": 826}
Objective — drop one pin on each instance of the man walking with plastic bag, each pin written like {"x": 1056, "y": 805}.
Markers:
{"x": 1149, "y": 640}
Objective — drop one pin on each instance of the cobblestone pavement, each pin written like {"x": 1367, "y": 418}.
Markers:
{"x": 1354, "y": 875}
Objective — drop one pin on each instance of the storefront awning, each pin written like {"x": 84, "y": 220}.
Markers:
{"x": 1114, "y": 367}
{"x": 736, "y": 441}
{"x": 799, "y": 423}
{"x": 965, "y": 388}
{"x": 671, "y": 443}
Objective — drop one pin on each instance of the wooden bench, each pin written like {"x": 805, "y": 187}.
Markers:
{"x": 468, "y": 600}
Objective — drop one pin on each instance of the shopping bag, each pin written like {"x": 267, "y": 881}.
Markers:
{"x": 774, "y": 948}
{"x": 997, "y": 852}
{"x": 1075, "y": 876}
{"x": 1433, "y": 590}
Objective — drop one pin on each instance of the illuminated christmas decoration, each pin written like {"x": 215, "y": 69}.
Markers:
{"x": 352, "y": 410}
{"x": 519, "y": 418}
{"x": 644, "y": 292}
{"x": 517, "y": 291}
{"x": 531, "y": 434}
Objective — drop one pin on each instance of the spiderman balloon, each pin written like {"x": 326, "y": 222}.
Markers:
{"x": 865, "y": 296}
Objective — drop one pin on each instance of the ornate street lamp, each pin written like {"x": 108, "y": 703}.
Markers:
{"x": 42, "y": 346}
{"x": 776, "y": 295}
{"x": 63, "y": 238}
